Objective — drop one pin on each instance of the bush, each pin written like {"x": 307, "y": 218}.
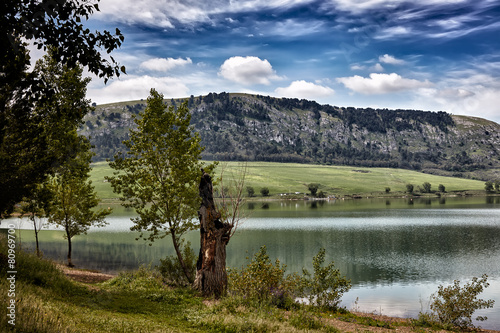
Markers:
{"x": 426, "y": 187}
{"x": 264, "y": 191}
{"x": 409, "y": 188}
{"x": 455, "y": 305}
{"x": 172, "y": 270}
{"x": 263, "y": 281}
{"x": 250, "y": 191}
{"x": 313, "y": 188}
{"x": 326, "y": 287}
{"x": 387, "y": 189}
{"x": 441, "y": 188}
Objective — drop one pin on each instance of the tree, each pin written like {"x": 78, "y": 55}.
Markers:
{"x": 26, "y": 152}
{"x": 159, "y": 175}
{"x": 497, "y": 185}
{"x": 37, "y": 206}
{"x": 441, "y": 188}
{"x": 387, "y": 190}
{"x": 250, "y": 191}
{"x": 313, "y": 188}
{"x": 264, "y": 191}
{"x": 426, "y": 187}
{"x": 74, "y": 198}
{"x": 409, "y": 188}
{"x": 488, "y": 186}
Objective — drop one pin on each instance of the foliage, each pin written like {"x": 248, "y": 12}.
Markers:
{"x": 441, "y": 188}
{"x": 454, "y": 305}
{"x": 263, "y": 281}
{"x": 29, "y": 144}
{"x": 387, "y": 189}
{"x": 74, "y": 198}
{"x": 426, "y": 187}
{"x": 250, "y": 191}
{"x": 264, "y": 191}
{"x": 37, "y": 206}
{"x": 313, "y": 188}
{"x": 488, "y": 186}
{"x": 326, "y": 287}
{"x": 159, "y": 175}
{"x": 171, "y": 269}
{"x": 409, "y": 188}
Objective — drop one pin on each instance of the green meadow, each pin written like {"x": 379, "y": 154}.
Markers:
{"x": 333, "y": 180}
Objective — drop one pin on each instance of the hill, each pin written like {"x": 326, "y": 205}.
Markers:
{"x": 262, "y": 128}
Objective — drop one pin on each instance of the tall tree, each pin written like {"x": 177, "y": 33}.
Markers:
{"x": 158, "y": 176}
{"x": 25, "y": 153}
{"x": 74, "y": 198}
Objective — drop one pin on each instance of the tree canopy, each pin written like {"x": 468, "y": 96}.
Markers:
{"x": 160, "y": 173}
{"x": 30, "y": 102}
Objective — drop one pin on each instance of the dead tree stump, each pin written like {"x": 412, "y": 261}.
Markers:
{"x": 211, "y": 276}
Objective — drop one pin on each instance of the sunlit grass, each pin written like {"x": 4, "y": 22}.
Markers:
{"x": 333, "y": 180}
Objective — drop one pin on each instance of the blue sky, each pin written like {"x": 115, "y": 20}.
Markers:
{"x": 426, "y": 55}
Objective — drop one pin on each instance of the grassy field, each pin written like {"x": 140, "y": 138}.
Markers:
{"x": 333, "y": 180}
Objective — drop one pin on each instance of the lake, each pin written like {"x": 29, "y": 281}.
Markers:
{"x": 395, "y": 251}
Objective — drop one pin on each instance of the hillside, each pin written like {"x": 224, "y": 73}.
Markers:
{"x": 262, "y": 128}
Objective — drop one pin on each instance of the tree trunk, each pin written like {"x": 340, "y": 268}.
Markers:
{"x": 70, "y": 264}
{"x": 211, "y": 276}
{"x": 188, "y": 274}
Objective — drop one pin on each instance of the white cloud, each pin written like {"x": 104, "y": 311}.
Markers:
{"x": 132, "y": 88}
{"x": 377, "y": 68}
{"x": 357, "y": 67}
{"x": 248, "y": 70}
{"x": 381, "y": 83}
{"x": 303, "y": 89}
{"x": 388, "y": 59}
{"x": 164, "y": 64}
{"x": 389, "y": 33}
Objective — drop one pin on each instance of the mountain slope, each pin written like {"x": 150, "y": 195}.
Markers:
{"x": 252, "y": 127}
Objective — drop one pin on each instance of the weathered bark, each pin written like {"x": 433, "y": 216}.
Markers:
{"x": 211, "y": 276}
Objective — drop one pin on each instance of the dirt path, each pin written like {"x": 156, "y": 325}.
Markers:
{"x": 84, "y": 275}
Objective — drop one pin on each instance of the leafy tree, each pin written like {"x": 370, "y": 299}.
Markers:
{"x": 26, "y": 152}
{"x": 250, "y": 191}
{"x": 74, "y": 198}
{"x": 497, "y": 185}
{"x": 313, "y": 188}
{"x": 159, "y": 175}
{"x": 426, "y": 187}
{"x": 37, "y": 206}
{"x": 264, "y": 191}
{"x": 441, "y": 188}
{"x": 409, "y": 188}
{"x": 387, "y": 189}
{"x": 488, "y": 186}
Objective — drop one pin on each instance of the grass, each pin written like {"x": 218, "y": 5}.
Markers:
{"x": 333, "y": 180}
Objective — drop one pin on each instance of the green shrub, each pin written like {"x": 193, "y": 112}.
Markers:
{"x": 171, "y": 269}
{"x": 326, "y": 287}
{"x": 263, "y": 281}
{"x": 455, "y": 305}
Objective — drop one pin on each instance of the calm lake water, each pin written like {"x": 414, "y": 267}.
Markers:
{"x": 395, "y": 251}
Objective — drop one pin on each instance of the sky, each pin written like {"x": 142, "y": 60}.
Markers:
{"x": 437, "y": 55}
